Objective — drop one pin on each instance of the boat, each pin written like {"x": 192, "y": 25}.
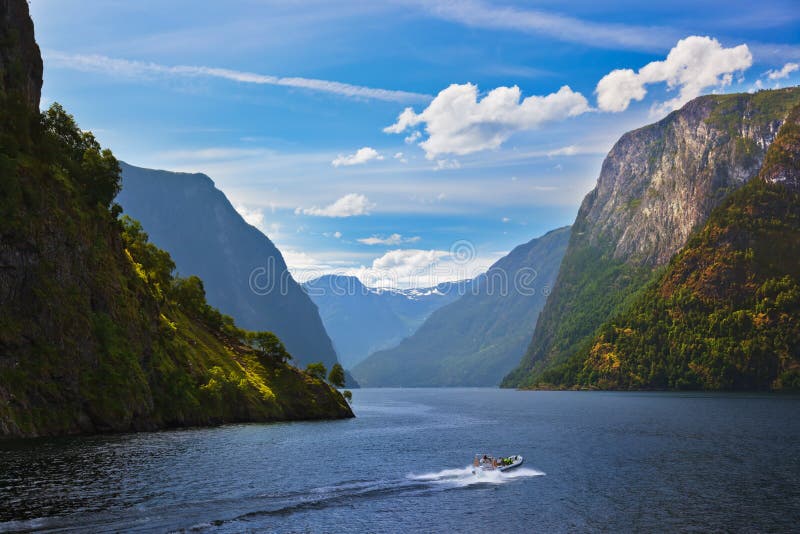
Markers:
{"x": 491, "y": 463}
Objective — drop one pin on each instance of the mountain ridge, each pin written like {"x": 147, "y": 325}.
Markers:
{"x": 475, "y": 340}
{"x": 244, "y": 273}
{"x": 362, "y": 319}
{"x": 656, "y": 186}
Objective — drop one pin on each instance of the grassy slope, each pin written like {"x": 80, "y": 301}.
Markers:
{"x": 86, "y": 342}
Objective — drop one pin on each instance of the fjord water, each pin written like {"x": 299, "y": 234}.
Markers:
{"x": 594, "y": 461}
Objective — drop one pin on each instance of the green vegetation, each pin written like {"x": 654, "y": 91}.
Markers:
{"x": 317, "y": 370}
{"x": 598, "y": 281}
{"x": 594, "y": 286}
{"x": 336, "y": 377}
{"x": 725, "y": 315}
{"x": 96, "y": 333}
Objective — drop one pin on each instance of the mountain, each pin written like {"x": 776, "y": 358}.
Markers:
{"x": 726, "y": 312}
{"x": 244, "y": 274}
{"x": 362, "y": 320}
{"x": 96, "y": 333}
{"x": 477, "y": 339}
{"x": 657, "y": 185}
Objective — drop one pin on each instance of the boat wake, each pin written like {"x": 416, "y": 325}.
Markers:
{"x": 465, "y": 477}
{"x": 255, "y": 512}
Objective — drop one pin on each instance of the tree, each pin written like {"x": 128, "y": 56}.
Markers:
{"x": 269, "y": 345}
{"x": 348, "y": 395}
{"x": 317, "y": 370}
{"x": 336, "y": 376}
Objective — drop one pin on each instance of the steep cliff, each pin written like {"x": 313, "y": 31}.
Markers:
{"x": 20, "y": 61}
{"x": 477, "y": 339}
{"x": 244, "y": 274}
{"x": 726, "y": 313}
{"x": 96, "y": 334}
{"x": 657, "y": 185}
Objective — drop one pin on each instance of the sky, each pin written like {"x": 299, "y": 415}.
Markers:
{"x": 406, "y": 142}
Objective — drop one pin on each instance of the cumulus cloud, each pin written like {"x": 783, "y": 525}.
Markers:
{"x": 693, "y": 65}
{"x": 348, "y": 206}
{"x": 783, "y": 72}
{"x": 394, "y": 239}
{"x": 362, "y": 155}
{"x": 253, "y": 217}
{"x": 458, "y": 122}
{"x": 399, "y": 156}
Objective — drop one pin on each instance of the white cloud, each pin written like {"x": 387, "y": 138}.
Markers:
{"x": 506, "y": 220}
{"x": 399, "y": 156}
{"x": 361, "y": 156}
{"x": 139, "y": 69}
{"x": 458, "y": 123}
{"x": 421, "y": 268}
{"x": 783, "y": 72}
{"x": 413, "y": 136}
{"x": 570, "y": 150}
{"x": 254, "y": 217}
{"x": 482, "y": 15}
{"x": 348, "y": 206}
{"x": 394, "y": 239}
{"x": 693, "y": 65}
{"x": 447, "y": 164}
{"x": 337, "y": 234}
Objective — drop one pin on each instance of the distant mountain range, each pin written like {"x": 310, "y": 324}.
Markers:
{"x": 657, "y": 189}
{"x": 362, "y": 320}
{"x": 245, "y": 275}
{"x": 478, "y": 338}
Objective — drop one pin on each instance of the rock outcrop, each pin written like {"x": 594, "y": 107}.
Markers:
{"x": 657, "y": 185}
{"x": 20, "y": 60}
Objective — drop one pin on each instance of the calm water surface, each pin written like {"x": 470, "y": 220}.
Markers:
{"x": 594, "y": 461}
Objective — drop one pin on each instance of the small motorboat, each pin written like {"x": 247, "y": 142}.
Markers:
{"x": 491, "y": 463}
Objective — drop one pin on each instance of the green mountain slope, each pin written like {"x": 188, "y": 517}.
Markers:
{"x": 244, "y": 273}
{"x": 96, "y": 334}
{"x": 657, "y": 185}
{"x": 726, "y": 313}
{"x": 477, "y": 339}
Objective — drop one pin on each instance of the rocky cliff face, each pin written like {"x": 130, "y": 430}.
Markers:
{"x": 657, "y": 185}
{"x": 20, "y": 60}
{"x": 725, "y": 314}
{"x": 660, "y": 181}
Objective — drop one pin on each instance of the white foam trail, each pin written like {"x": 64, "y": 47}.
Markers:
{"x": 465, "y": 477}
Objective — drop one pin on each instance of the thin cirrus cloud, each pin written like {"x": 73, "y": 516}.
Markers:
{"x": 478, "y": 14}
{"x": 457, "y": 122}
{"x": 361, "y": 156}
{"x": 131, "y": 68}
{"x": 394, "y": 239}
{"x": 350, "y": 205}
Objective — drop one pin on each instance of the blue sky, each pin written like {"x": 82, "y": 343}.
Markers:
{"x": 294, "y": 108}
